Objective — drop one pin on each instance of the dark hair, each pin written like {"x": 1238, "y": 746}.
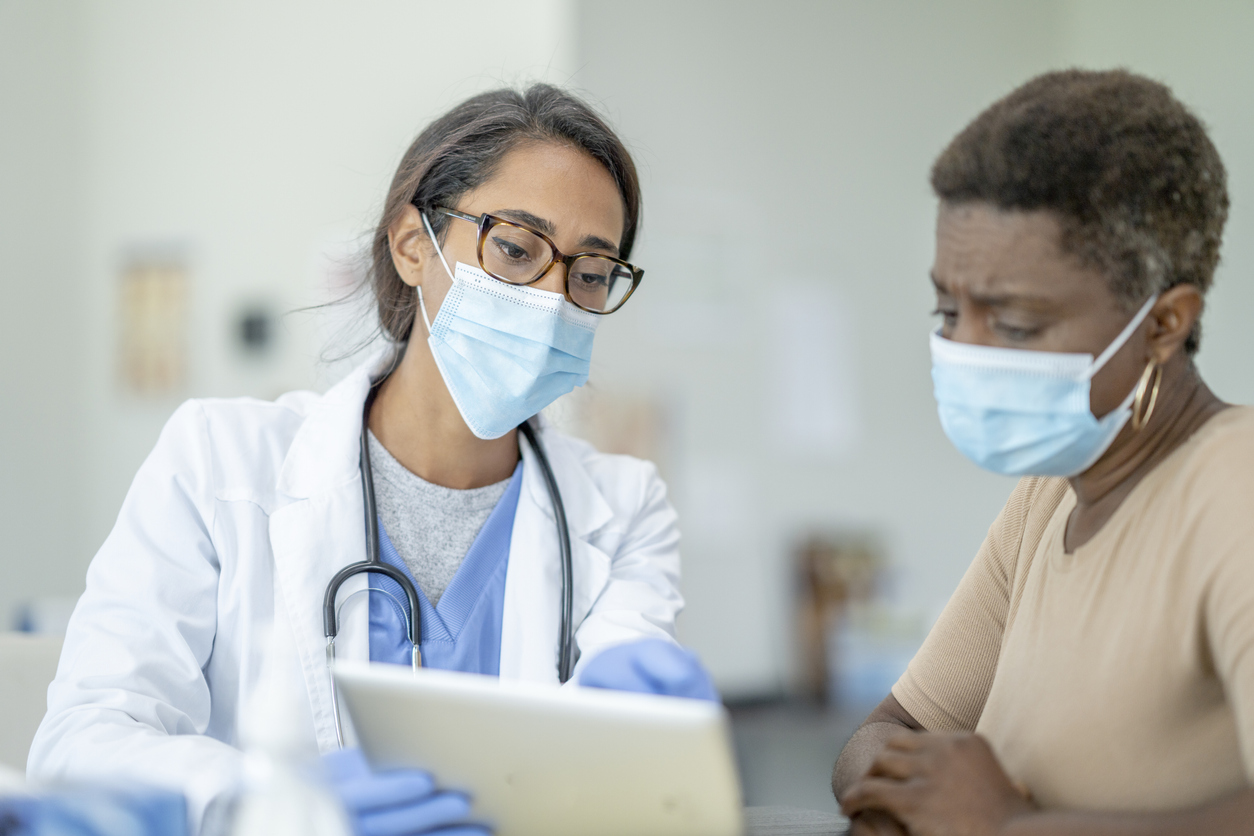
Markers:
{"x": 462, "y": 149}
{"x": 1131, "y": 174}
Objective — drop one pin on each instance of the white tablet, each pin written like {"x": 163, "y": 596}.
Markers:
{"x": 544, "y": 761}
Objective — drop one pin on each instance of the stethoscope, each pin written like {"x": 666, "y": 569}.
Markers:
{"x": 413, "y": 621}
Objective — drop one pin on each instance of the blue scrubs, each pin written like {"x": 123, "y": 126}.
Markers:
{"x": 462, "y": 633}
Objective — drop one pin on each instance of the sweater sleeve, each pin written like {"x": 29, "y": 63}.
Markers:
{"x": 948, "y": 681}
{"x": 1219, "y": 518}
{"x": 641, "y": 598}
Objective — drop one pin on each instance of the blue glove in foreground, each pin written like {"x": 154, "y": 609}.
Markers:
{"x": 650, "y": 666}
{"x": 398, "y": 802}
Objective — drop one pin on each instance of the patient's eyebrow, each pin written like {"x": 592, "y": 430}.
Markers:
{"x": 522, "y": 216}
{"x": 1000, "y": 300}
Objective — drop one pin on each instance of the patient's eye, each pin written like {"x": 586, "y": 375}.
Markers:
{"x": 1017, "y": 333}
{"x": 949, "y": 316}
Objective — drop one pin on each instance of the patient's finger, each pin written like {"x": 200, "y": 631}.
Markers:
{"x": 908, "y": 741}
{"x": 875, "y": 794}
{"x": 894, "y": 764}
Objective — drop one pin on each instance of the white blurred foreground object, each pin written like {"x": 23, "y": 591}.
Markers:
{"x": 543, "y": 761}
{"x": 280, "y": 797}
{"x": 27, "y": 665}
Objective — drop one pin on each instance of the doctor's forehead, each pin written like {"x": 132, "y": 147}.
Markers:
{"x": 563, "y": 191}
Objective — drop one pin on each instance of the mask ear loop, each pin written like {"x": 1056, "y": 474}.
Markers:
{"x": 422, "y": 306}
{"x": 1124, "y": 336}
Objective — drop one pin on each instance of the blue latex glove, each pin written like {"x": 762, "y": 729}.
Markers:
{"x": 398, "y": 802}
{"x": 650, "y": 666}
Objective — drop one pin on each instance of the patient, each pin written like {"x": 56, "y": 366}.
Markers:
{"x": 1094, "y": 671}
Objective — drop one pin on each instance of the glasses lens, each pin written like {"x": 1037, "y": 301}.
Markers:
{"x": 514, "y": 254}
{"x": 598, "y": 284}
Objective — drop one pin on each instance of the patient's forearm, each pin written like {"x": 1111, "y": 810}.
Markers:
{"x": 1231, "y": 816}
{"x": 888, "y": 718}
{"x": 856, "y": 758}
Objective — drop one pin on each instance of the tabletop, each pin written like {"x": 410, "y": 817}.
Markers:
{"x": 793, "y": 821}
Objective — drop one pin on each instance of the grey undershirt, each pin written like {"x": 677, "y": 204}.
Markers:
{"x": 432, "y": 527}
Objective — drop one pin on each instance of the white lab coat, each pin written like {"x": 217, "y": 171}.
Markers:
{"x": 237, "y": 521}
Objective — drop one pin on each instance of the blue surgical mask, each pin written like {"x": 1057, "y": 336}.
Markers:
{"x": 505, "y": 351}
{"x": 1021, "y": 413}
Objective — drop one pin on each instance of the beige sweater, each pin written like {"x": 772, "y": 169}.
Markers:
{"x": 1121, "y": 676}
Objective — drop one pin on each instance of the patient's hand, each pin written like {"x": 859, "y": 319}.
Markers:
{"x": 875, "y": 823}
{"x": 937, "y": 784}
{"x": 650, "y": 666}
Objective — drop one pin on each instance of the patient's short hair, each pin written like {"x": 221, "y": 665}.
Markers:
{"x": 1131, "y": 174}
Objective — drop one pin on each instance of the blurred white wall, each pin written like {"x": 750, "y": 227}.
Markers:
{"x": 785, "y": 148}
{"x": 788, "y": 144}
{"x": 1203, "y": 51}
{"x": 248, "y": 138}
{"x": 42, "y": 318}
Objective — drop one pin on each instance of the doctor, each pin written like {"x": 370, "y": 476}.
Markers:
{"x": 501, "y": 246}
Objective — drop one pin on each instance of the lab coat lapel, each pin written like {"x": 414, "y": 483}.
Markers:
{"x": 319, "y": 532}
{"x": 532, "y": 613}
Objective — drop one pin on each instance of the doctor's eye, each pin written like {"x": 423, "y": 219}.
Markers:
{"x": 514, "y": 254}
{"x": 590, "y": 280}
{"x": 948, "y": 316}
{"x": 511, "y": 250}
{"x": 598, "y": 284}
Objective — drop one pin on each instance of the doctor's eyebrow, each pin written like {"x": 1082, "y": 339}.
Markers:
{"x": 544, "y": 225}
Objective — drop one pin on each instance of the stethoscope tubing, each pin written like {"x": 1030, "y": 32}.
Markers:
{"x": 374, "y": 563}
{"x": 565, "y": 631}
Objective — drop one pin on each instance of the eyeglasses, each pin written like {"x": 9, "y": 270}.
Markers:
{"x": 516, "y": 254}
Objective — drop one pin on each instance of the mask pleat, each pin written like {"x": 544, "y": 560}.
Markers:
{"x": 506, "y": 352}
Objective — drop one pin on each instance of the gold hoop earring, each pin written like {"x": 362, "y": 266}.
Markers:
{"x": 1139, "y": 420}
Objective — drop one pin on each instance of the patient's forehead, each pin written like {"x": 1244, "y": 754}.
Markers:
{"x": 985, "y": 251}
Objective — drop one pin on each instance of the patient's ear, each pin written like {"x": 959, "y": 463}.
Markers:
{"x": 1172, "y": 320}
{"x": 407, "y": 239}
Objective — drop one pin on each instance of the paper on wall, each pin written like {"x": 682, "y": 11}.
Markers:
{"x": 812, "y": 350}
